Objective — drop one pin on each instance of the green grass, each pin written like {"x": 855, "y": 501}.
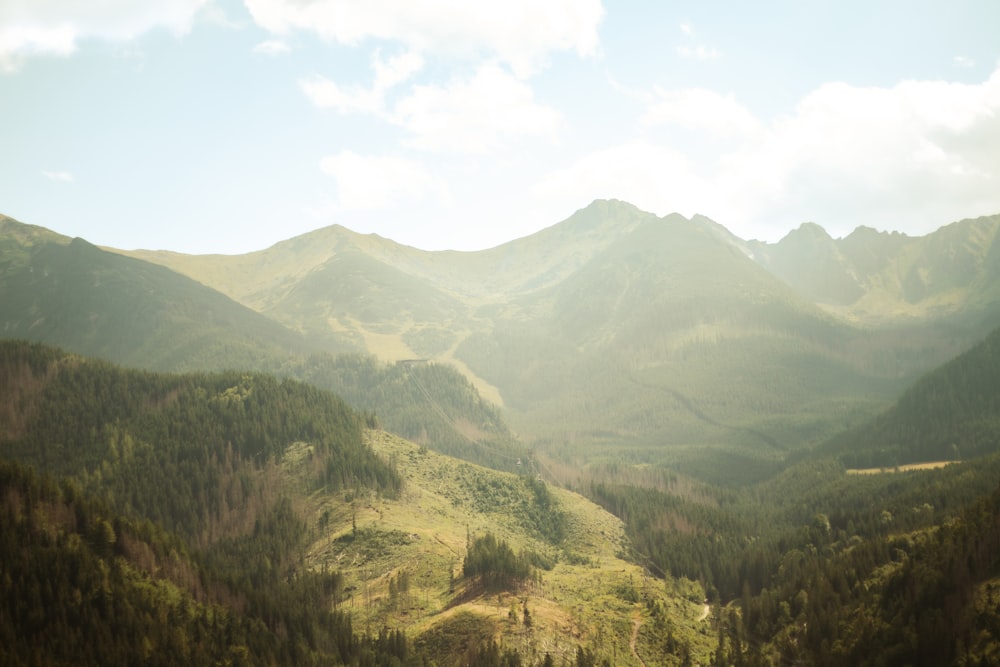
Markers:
{"x": 580, "y": 601}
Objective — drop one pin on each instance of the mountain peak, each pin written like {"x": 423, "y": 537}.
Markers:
{"x": 807, "y": 231}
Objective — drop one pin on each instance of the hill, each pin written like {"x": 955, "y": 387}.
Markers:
{"x": 818, "y": 566}
{"x": 951, "y": 413}
{"x": 240, "y": 506}
{"x": 261, "y": 510}
{"x": 70, "y": 293}
{"x": 428, "y": 403}
{"x": 158, "y": 524}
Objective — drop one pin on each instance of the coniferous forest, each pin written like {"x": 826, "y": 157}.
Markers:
{"x": 168, "y": 538}
{"x": 146, "y": 520}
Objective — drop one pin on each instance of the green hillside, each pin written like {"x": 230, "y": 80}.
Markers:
{"x": 170, "y": 531}
{"x": 952, "y": 413}
{"x": 80, "y": 585}
{"x": 192, "y": 452}
{"x": 236, "y": 516}
{"x": 239, "y": 518}
{"x": 430, "y": 404}
{"x": 72, "y": 294}
{"x": 615, "y": 334}
{"x": 68, "y": 293}
{"x": 879, "y": 278}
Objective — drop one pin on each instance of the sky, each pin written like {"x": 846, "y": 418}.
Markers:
{"x": 206, "y": 126}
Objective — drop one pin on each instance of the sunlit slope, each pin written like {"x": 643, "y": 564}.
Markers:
{"x": 667, "y": 337}
{"x": 672, "y": 338}
{"x": 72, "y": 294}
{"x": 585, "y": 594}
{"x": 273, "y": 487}
{"x": 69, "y": 293}
{"x": 879, "y": 277}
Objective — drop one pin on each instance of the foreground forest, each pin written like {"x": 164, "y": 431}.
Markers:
{"x": 183, "y": 519}
{"x": 155, "y": 518}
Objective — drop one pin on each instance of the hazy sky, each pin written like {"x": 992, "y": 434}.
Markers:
{"x": 226, "y": 126}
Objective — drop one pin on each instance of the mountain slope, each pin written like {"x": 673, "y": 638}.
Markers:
{"x": 664, "y": 339}
{"x": 953, "y": 412}
{"x": 173, "y": 534}
{"x": 262, "y": 504}
{"x": 70, "y": 293}
{"x": 878, "y": 277}
{"x": 669, "y": 338}
{"x": 673, "y": 345}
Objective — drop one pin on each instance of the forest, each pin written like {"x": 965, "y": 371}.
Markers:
{"x": 146, "y": 518}
{"x": 156, "y": 529}
{"x": 428, "y": 403}
{"x": 818, "y": 566}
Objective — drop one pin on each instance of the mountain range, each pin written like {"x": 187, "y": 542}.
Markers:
{"x": 612, "y": 333}
{"x": 698, "y": 398}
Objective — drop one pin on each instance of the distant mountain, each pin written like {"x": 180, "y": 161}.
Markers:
{"x": 878, "y": 278}
{"x": 70, "y": 293}
{"x": 662, "y": 339}
{"x": 952, "y": 413}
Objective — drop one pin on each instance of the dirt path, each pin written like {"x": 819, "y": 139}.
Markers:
{"x": 636, "y": 622}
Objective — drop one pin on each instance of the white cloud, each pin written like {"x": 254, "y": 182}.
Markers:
{"x": 466, "y": 115}
{"x": 475, "y": 115}
{"x": 388, "y": 74}
{"x": 920, "y": 153}
{"x": 54, "y": 27}
{"x": 476, "y": 107}
{"x": 963, "y": 61}
{"x": 379, "y": 182}
{"x": 272, "y": 47}
{"x": 328, "y": 95}
{"x": 921, "y": 149}
{"x": 694, "y": 49}
{"x": 701, "y": 109}
{"x": 396, "y": 70}
{"x": 520, "y": 33}
{"x": 59, "y": 176}
{"x": 18, "y": 42}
